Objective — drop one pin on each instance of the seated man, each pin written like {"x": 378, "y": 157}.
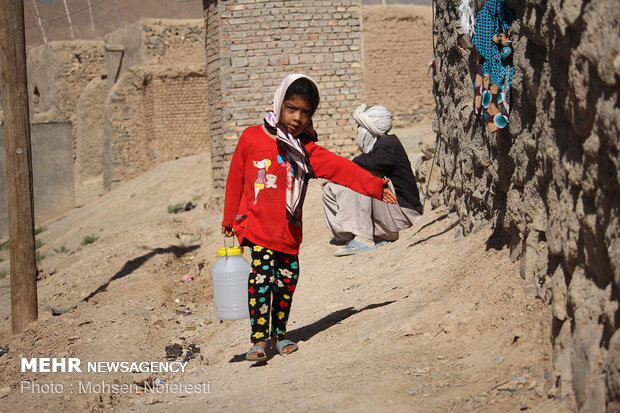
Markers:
{"x": 359, "y": 221}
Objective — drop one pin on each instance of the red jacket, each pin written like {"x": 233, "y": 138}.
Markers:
{"x": 255, "y": 205}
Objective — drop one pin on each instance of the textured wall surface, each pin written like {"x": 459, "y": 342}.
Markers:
{"x": 156, "y": 108}
{"x": 59, "y": 72}
{"x": 89, "y": 125}
{"x": 153, "y": 114}
{"x": 52, "y": 173}
{"x": 397, "y": 48}
{"x": 548, "y": 183}
{"x": 154, "y": 41}
{"x": 254, "y": 44}
{"x": 175, "y": 109}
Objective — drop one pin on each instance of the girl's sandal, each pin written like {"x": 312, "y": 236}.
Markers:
{"x": 254, "y": 351}
{"x": 281, "y": 344}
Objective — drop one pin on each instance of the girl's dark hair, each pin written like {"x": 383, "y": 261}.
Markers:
{"x": 305, "y": 88}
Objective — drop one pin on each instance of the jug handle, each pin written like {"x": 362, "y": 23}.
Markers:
{"x": 226, "y": 247}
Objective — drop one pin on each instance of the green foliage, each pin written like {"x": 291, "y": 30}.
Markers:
{"x": 172, "y": 208}
{"x": 62, "y": 250}
{"x": 38, "y": 257}
{"x": 3, "y": 274}
{"x": 89, "y": 239}
{"x": 37, "y": 244}
{"x": 39, "y": 230}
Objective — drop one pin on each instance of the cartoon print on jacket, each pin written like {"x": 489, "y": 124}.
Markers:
{"x": 262, "y": 179}
{"x": 271, "y": 181}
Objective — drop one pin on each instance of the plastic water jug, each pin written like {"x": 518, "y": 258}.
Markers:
{"x": 230, "y": 284}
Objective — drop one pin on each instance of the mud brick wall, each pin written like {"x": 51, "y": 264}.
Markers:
{"x": 175, "y": 109}
{"x": 397, "y": 49}
{"x": 173, "y": 41}
{"x": 89, "y": 125}
{"x": 58, "y": 73}
{"x": 52, "y": 173}
{"x": 548, "y": 183}
{"x": 154, "y": 41}
{"x": 156, "y": 109}
{"x": 153, "y": 114}
{"x": 252, "y": 45}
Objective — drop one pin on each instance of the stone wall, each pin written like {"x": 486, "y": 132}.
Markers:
{"x": 548, "y": 183}
{"x": 254, "y": 44}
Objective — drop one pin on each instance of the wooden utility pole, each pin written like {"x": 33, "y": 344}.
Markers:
{"x": 19, "y": 192}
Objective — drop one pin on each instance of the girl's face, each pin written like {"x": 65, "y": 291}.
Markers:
{"x": 295, "y": 114}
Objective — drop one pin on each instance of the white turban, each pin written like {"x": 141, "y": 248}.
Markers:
{"x": 374, "y": 122}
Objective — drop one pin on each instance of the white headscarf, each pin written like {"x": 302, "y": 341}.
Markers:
{"x": 295, "y": 151}
{"x": 374, "y": 122}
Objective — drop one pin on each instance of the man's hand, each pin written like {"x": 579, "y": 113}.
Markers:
{"x": 227, "y": 231}
{"x": 388, "y": 195}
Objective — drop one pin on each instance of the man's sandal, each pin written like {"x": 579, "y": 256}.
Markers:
{"x": 281, "y": 344}
{"x": 255, "y": 350}
{"x": 353, "y": 247}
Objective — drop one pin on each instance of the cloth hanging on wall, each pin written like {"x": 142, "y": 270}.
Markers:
{"x": 467, "y": 17}
{"x": 494, "y": 71}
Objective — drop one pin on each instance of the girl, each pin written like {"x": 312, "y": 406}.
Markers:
{"x": 269, "y": 221}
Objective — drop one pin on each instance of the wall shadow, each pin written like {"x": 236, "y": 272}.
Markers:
{"x": 428, "y": 224}
{"x": 450, "y": 228}
{"x": 132, "y": 265}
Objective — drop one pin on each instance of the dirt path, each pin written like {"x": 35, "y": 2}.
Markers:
{"x": 432, "y": 322}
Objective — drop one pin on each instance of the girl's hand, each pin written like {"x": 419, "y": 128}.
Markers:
{"x": 227, "y": 231}
{"x": 388, "y": 195}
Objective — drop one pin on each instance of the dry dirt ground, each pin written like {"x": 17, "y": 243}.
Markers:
{"x": 432, "y": 322}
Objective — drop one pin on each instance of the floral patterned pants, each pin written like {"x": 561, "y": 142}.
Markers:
{"x": 271, "y": 286}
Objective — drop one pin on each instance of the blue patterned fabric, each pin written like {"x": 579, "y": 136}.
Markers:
{"x": 494, "y": 18}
